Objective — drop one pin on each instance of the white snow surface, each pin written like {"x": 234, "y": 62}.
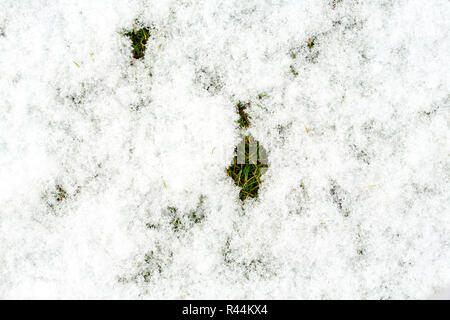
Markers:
{"x": 355, "y": 203}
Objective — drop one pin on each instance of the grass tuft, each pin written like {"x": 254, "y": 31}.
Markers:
{"x": 244, "y": 119}
{"x": 138, "y": 41}
{"x": 250, "y": 160}
{"x": 247, "y": 175}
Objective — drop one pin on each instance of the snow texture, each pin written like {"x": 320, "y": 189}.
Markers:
{"x": 112, "y": 169}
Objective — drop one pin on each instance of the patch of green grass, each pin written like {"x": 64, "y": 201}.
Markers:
{"x": 247, "y": 175}
{"x": 244, "y": 119}
{"x": 250, "y": 161}
{"x": 138, "y": 41}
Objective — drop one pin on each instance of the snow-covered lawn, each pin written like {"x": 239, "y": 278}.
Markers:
{"x": 112, "y": 169}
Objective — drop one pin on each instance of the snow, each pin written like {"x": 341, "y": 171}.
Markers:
{"x": 355, "y": 203}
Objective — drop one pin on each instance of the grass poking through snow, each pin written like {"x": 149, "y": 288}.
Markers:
{"x": 138, "y": 41}
{"x": 247, "y": 175}
{"x": 244, "y": 119}
{"x": 250, "y": 161}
